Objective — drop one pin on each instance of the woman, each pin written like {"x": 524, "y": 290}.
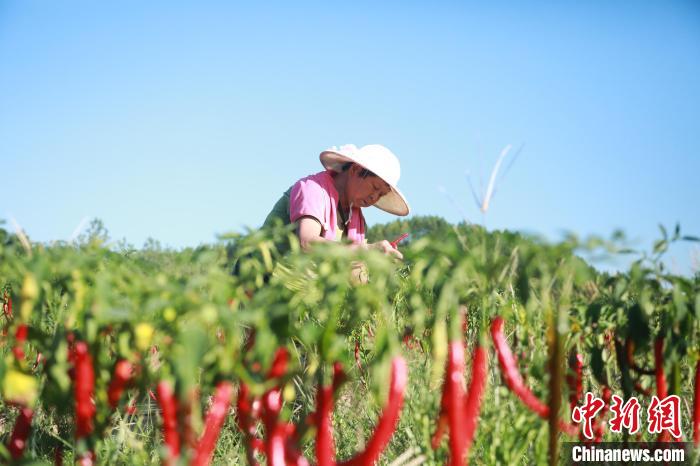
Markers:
{"x": 327, "y": 206}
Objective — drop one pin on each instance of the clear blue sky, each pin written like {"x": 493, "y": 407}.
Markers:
{"x": 180, "y": 121}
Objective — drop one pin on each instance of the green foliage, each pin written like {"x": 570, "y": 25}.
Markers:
{"x": 182, "y": 316}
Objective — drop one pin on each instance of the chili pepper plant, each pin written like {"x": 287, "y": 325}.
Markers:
{"x": 476, "y": 348}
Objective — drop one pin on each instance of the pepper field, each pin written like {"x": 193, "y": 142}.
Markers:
{"x": 475, "y": 348}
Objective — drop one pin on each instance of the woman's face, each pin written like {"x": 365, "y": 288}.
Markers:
{"x": 364, "y": 192}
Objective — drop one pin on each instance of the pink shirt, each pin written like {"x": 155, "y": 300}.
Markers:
{"x": 317, "y": 197}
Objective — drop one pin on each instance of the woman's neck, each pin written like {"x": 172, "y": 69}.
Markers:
{"x": 340, "y": 181}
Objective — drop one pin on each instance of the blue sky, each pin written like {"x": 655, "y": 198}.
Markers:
{"x": 179, "y": 121}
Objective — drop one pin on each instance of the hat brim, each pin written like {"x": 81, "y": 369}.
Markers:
{"x": 393, "y": 202}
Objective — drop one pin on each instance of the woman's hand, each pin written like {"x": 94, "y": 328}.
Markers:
{"x": 386, "y": 247}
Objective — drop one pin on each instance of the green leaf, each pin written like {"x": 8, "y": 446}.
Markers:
{"x": 593, "y": 313}
{"x": 680, "y": 304}
{"x": 660, "y": 246}
{"x": 187, "y": 355}
{"x": 598, "y": 366}
{"x": 638, "y": 325}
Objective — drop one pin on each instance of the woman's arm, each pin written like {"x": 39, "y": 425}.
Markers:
{"x": 309, "y": 231}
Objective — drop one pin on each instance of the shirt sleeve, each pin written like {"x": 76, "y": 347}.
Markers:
{"x": 308, "y": 198}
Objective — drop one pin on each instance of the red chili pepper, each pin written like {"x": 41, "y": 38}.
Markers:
{"x": 480, "y": 367}
{"x": 395, "y": 243}
{"x": 456, "y": 401}
{"x": 325, "y": 448}
{"x": 84, "y": 388}
{"x": 510, "y": 372}
{"x": 276, "y": 441}
{"x": 20, "y": 338}
{"x": 575, "y": 379}
{"x": 20, "y": 433}
{"x": 87, "y": 459}
{"x": 442, "y": 422}
{"x": 696, "y": 406}
{"x": 293, "y": 455}
{"x": 439, "y": 430}
{"x": 338, "y": 376}
{"x": 122, "y": 375}
{"x": 661, "y": 386}
{"x": 246, "y": 423}
{"x": 514, "y": 380}
{"x": 168, "y": 407}
{"x": 453, "y": 401}
{"x": 275, "y": 430}
{"x": 21, "y": 333}
{"x": 279, "y": 364}
{"x": 257, "y": 445}
{"x": 131, "y": 409}
{"x": 213, "y": 423}
{"x": 387, "y": 420}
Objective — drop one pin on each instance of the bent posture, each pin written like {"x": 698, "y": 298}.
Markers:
{"x": 327, "y": 206}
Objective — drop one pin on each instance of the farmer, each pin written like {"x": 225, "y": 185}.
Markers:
{"x": 327, "y": 206}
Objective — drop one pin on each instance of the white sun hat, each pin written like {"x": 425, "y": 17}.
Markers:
{"x": 377, "y": 159}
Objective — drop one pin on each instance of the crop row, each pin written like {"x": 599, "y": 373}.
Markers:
{"x": 88, "y": 331}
